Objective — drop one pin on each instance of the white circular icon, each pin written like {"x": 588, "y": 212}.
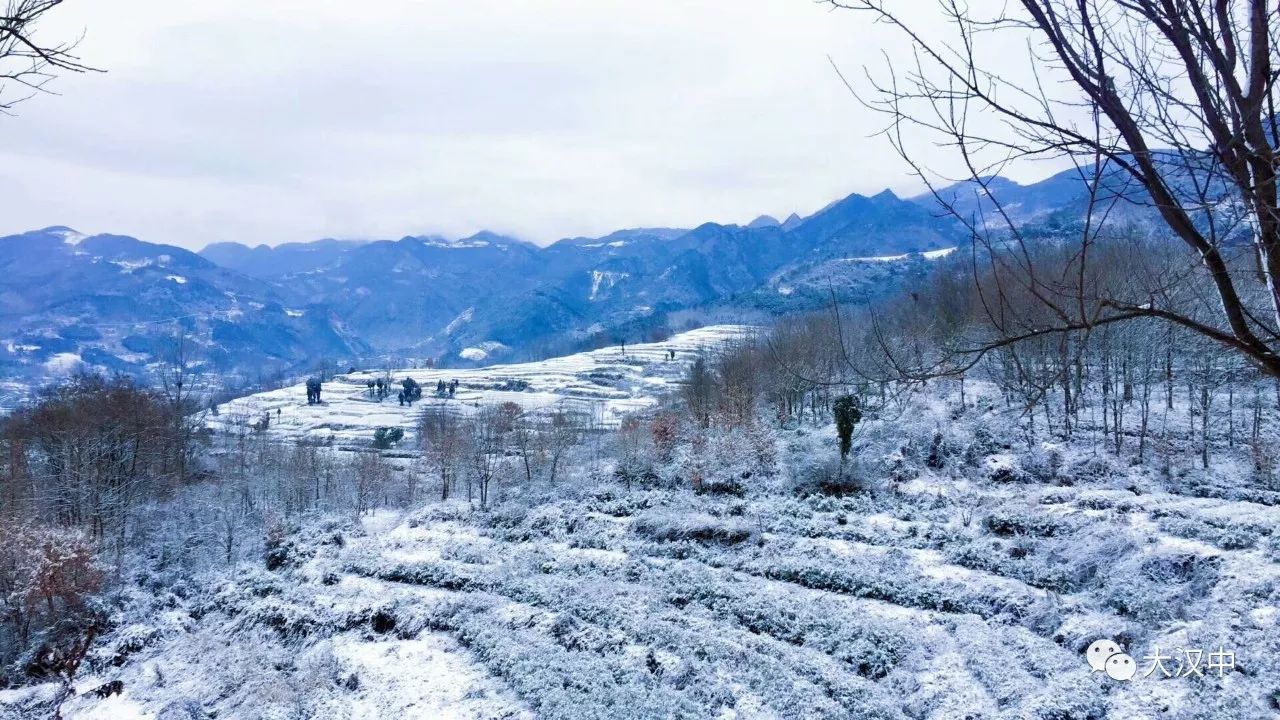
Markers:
{"x": 1098, "y": 653}
{"x": 1121, "y": 667}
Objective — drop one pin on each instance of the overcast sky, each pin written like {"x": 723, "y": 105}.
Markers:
{"x": 289, "y": 120}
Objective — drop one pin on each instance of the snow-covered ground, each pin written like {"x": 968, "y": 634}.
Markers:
{"x": 608, "y": 603}
{"x": 965, "y": 577}
{"x": 609, "y": 383}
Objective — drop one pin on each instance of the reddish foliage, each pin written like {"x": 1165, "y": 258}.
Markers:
{"x": 665, "y": 428}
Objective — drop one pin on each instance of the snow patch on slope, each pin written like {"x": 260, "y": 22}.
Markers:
{"x": 131, "y": 265}
{"x": 64, "y": 363}
{"x": 463, "y": 318}
{"x": 483, "y": 351}
{"x": 927, "y": 255}
{"x": 604, "y": 279}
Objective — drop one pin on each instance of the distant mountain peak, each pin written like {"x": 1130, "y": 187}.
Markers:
{"x": 998, "y": 181}
{"x": 791, "y": 221}
{"x": 69, "y": 236}
{"x": 764, "y": 221}
{"x": 488, "y": 236}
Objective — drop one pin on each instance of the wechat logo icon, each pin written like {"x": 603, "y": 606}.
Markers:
{"x": 1105, "y": 656}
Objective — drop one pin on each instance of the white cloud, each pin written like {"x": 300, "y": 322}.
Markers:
{"x": 291, "y": 120}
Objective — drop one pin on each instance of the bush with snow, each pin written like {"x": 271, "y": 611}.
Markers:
{"x": 668, "y": 526}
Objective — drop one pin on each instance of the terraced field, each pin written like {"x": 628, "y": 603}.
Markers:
{"x": 964, "y": 575}
{"x": 656, "y": 603}
{"x": 609, "y": 383}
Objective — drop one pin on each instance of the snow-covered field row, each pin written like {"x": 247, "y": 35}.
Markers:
{"x": 653, "y": 603}
{"x": 610, "y": 383}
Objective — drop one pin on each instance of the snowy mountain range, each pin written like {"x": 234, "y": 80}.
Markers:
{"x": 115, "y": 302}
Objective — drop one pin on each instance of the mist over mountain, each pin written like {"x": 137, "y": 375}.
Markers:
{"x": 115, "y": 303}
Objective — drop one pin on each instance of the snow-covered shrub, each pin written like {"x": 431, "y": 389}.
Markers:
{"x": 505, "y": 515}
{"x": 450, "y": 511}
{"x": 1098, "y": 501}
{"x": 1159, "y": 585}
{"x": 182, "y": 710}
{"x": 128, "y": 640}
{"x": 1043, "y": 463}
{"x": 1271, "y": 548}
{"x": 516, "y": 522}
{"x": 621, "y": 504}
{"x": 1065, "y": 561}
{"x": 670, "y": 526}
{"x": 442, "y": 574}
{"x": 871, "y": 646}
{"x": 1091, "y": 469}
{"x": 1011, "y": 520}
{"x": 35, "y": 701}
{"x": 275, "y": 554}
{"x": 732, "y": 462}
{"x": 829, "y": 476}
{"x": 283, "y": 548}
{"x": 1044, "y": 616}
{"x": 981, "y": 443}
{"x": 467, "y": 553}
{"x": 1073, "y": 698}
{"x": 593, "y": 533}
{"x": 1168, "y": 567}
{"x": 902, "y": 464}
{"x": 1228, "y": 536}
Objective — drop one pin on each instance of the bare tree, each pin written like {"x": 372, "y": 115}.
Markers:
{"x": 179, "y": 381}
{"x": 486, "y": 442}
{"x": 524, "y": 434}
{"x": 27, "y": 63}
{"x": 442, "y": 446}
{"x": 562, "y": 432}
{"x": 699, "y": 391}
{"x": 1170, "y": 105}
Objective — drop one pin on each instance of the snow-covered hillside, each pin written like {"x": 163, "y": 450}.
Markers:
{"x": 953, "y": 565}
{"x": 609, "y": 382}
{"x": 970, "y": 590}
